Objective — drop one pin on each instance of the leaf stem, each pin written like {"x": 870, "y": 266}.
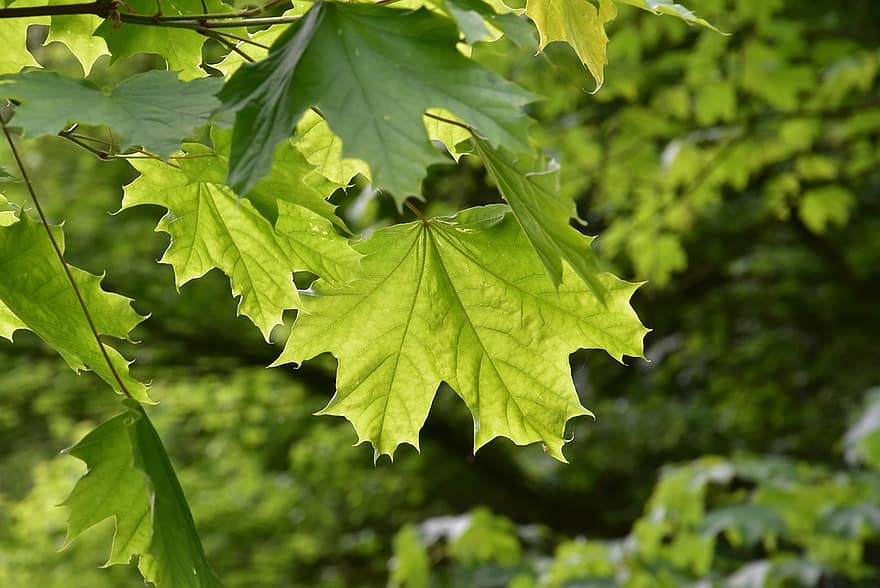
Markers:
{"x": 217, "y": 34}
{"x": 450, "y": 121}
{"x": 60, "y": 255}
{"x": 416, "y": 211}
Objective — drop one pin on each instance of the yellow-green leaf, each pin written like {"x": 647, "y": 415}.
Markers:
{"x": 581, "y": 24}
{"x": 462, "y": 300}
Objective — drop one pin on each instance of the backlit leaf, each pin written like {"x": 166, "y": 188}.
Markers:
{"x": 13, "y": 34}
{"x": 181, "y": 48}
{"x": 75, "y": 31}
{"x": 322, "y": 148}
{"x": 532, "y": 190}
{"x": 35, "y": 294}
{"x": 464, "y": 300}
{"x": 579, "y": 23}
{"x": 211, "y": 227}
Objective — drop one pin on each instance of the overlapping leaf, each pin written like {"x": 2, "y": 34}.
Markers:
{"x": 181, "y": 48}
{"x": 372, "y": 72}
{"x": 13, "y": 40}
{"x": 463, "y": 300}
{"x": 532, "y": 190}
{"x": 35, "y": 294}
{"x": 130, "y": 479}
{"x": 153, "y": 110}
{"x": 475, "y": 18}
{"x": 211, "y": 227}
{"x": 76, "y": 31}
{"x": 579, "y": 23}
{"x": 322, "y": 148}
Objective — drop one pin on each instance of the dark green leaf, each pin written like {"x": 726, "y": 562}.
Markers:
{"x": 153, "y": 110}
{"x": 372, "y": 72}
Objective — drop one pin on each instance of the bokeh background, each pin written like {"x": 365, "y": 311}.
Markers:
{"x": 739, "y": 175}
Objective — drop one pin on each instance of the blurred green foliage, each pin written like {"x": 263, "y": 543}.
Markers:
{"x": 739, "y": 175}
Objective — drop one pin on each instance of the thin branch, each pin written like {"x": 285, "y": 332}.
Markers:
{"x": 224, "y": 15}
{"x": 101, "y": 8}
{"x": 81, "y": 141}
{"x": 197, "y": 22}
{"x": 218, "y": 36}
{"x": 109, "y": 9}
{"x": 60, "y": 255}
{"x": 450, "y": 121}
{"x": 215, "y": 34}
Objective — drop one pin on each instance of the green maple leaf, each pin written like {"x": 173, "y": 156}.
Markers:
{"x": 35, "y": 294}
{"x": 372, "y": 71}
{"x": 463, "y": 300}
{"x": 323, "y": 149}
{"x": 181, "y": 48}
{"x": 285, "y": 225}
{"x": 76, "y": 31}
{"x": 130, "y": 479}
{"x": 8, "y": 213}
{"x": 532, "y": 190}
{"x": 579, "y": 23}
{"x": 154, "y": 109}
{"x": 13, "y": 40}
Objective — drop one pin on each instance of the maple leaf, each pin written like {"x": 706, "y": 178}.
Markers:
{"x": 76, "y": 31}
{"x": 153, "y": 109}
{"x": 181, "y": 48}
{"x": 35, "y": 294}
{"x": 531, "y": 187}
{"x": 372, "y": 71}
{"x": 480, "y": 21}
{"x": 579, "y": 23}
{"x": 13, "y": 37}
{"x": 464, "y": 300}
{"x": 323, "y": 149}
{"x": 8, "y": 213}
{"x": 130, "y": 479}
{"x": 284, "y": 226}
